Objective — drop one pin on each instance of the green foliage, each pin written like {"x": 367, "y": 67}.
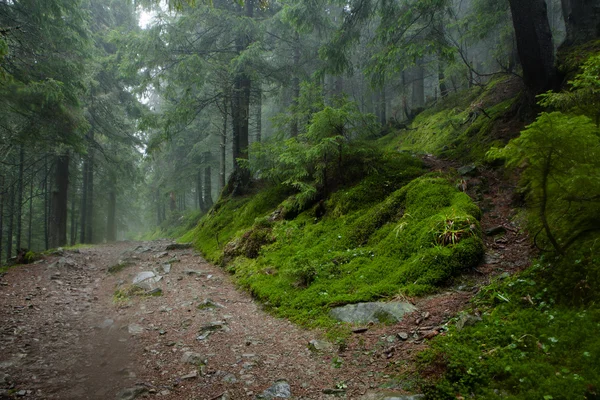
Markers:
{"x": 561, "y": 159}
{"x": 524, "y": 347}
{"x": 316, "y": 159}
{"x": 584, "y": 94}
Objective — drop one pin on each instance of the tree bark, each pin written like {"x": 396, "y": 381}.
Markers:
{"x": 223, "y": 147}
{"x": 11, "y": 213}
{"x": 46, "y": 203}
{"x": 258, "y": 113}
{"x": 89, "y": 228}
{"x": 200, "y": 191}
{"x": 207, "y": 187}
{"x": 383, "y": 115}
{"x": 83, "y": 209}
{"x": 20, "y": 198}
{"x": 534, "y": 43}
{"x": 58, "y": 212}
{"x": 418, "y": 86}
{"x": 111, "y": 216}
{"x": 582, "y": 19}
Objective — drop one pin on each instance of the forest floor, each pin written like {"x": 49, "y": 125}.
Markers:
{"x": 70, "y": 329}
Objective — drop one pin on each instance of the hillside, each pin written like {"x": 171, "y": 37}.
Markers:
{"x": 435, "y": 219}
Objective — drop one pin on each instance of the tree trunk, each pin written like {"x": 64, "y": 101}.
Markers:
{"x": 207, "y": 187}
{"x": 418, "y": 86}
{"x": 296, "y": 84}
{"x": 58, "y": 212}
{"x": 11, "y": 213}
{"x": 83, "y": 209}
{"x": 111, "y": 216}
{"x": 46, "y": 203}
{"x": 223, "y": 147}
{"x": 582, "y": 19}
{"x": 442, "y": 80}
{"x": 200, "y": 191}
{"x": 240, "y": 178}
{"x": 258, "y": 136}
{"x": 89, "y": 229}
{"x": 383, "y": 107}
{"x": 172, "y": 202}
{"x": 534, "y": 43}
{"x": 20, "y": 198}
{"x": 73, "y": 235}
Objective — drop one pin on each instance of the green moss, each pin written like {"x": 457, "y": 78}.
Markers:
{"x": 363, "y": 254}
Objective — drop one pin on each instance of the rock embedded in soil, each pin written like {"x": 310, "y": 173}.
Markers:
{"x": 279, "y": 390}
{"x": 190, "y": 357}
{"x": 135, "y": 329}
{"x": 320, "y": 345}
{"x": 497, "y": 230}
{"x": 179, "y": 246}
{"x": 363, "y": 313}
{"x": 391, "y": 396}
{"x": 132, "y": 393}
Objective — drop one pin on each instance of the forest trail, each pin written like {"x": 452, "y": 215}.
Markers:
{"x": 73, "y": 330}
{"x": 66, "y": 335}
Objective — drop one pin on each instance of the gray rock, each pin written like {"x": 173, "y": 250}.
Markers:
{"x": 143, "y": 276}
{"x": 179, "y": 246}
{"x": 466, "y": 320}
{"x": 192, "y": 375}
{"x": 402, "y": 335}
{"x": 208, "y": 304}
{"x": 132, "y": 393}
{"x": 206, "y": 330}
{"x": 107, "y": 323}
{"x": 166, "y": 268}
{"x": 363, "y": 313}
{"x": 4, "y": 379}
{"x": 229, "y": 378}
{"x": 189, "y": 357}
{"x": 135, "y": 329}
{"x": 280, "y": 390}
{"x": 497, "y": 230}
{"x": 192, "y": 272}
{"x": 468, "y": 170}
{"x": 320, "y": 345}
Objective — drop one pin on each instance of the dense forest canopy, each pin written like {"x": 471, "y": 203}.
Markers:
{"x": 109, "y": 128}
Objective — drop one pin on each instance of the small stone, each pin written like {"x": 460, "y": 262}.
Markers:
{"x": 189, "y": 357}
{"x": 229, "y": 378}
{"x": 497, "y": 230}
{"x": 154, "y": 292}
{"x": 192, "y": 375}
{"x": 360, "y": 330}
{"x": 107, "y": 323}
{"x": 466, "y": 320}
{"x": 431, "y": 334}
{"x": 135, "y": 329}
{"x": 179, "y": 246}
{"x": 132, "y": 393}
{"x": 320, "y": 345}
{"x": 333, "y": 391}
{"x": 162, "y": 332}
{"x": 402, "y": 335}
{"x": 280, "y": 389}
{"x": 468, "y": 170}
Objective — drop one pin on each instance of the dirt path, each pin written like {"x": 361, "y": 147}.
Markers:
{"x": 63, "y": 335}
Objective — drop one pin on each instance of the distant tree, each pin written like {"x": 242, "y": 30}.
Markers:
{"x": 582, "y": 19}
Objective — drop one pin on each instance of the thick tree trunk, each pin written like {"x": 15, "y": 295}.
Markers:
{"x": 30, "y": 214}
{"x": 240, "y": 178}
{"x": 582, "y": 19}
{"x": 418, "y": 86}
{"x": 11, "y": 213}
{"x": 89, "y": 228}
{"x": 58, "y": 212}
{"x": 534, "y": 43}
{"x": 111, "y": 216}
{"x": 73, "y": 235}
{"x": 20, "y": 198}
{"x": 46, "y": 203}
{"x": 223, "y": 148}
{"x": 383, "y": 115}
{"x": 83, "y": 209}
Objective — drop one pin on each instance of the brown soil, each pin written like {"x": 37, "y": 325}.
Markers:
{"x": 63, "y": 335}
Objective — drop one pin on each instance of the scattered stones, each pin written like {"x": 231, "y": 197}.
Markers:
{"x": 132, "y": 393}
{"x": 135, "y": 329}
{"x": 280, "y": 390}
{"x": 363, "y": 313}
{"x": 179, "y": 246}
{"x": 190, "y": 357}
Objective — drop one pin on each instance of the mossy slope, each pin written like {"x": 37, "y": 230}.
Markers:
{"x": 376, "y": 239}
